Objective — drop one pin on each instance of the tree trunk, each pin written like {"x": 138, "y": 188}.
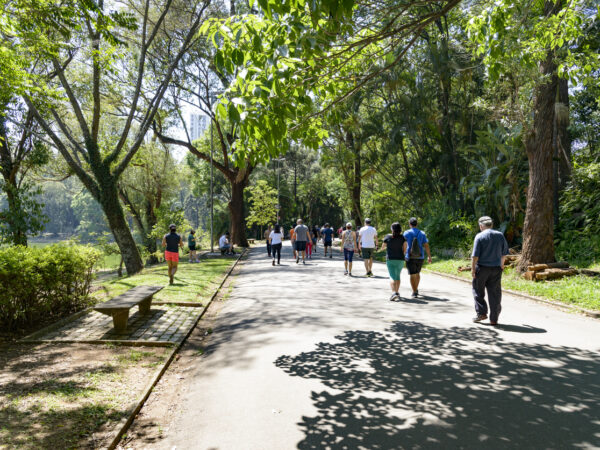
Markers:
{"x": 18, "y": 237}
{"x": 236, "y": 212}
{"x": 109, "y": 200}
{"x": 538, "y": 230}
{"x": 356, "y": 187}
{"x": 563, "y": 138}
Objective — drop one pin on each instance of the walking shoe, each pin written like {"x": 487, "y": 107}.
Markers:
{"x": 349, "y": 274}
{"x": 303, "y": 262}
{"x": 395, "y": 297}
{"x": 297, "y": 260}
{"x": 330, "y": 256}
{"x": 415, "y": 294}
{"x": 345, "y": 272}
{"x": 170, "y": 279}
{"x": 479, "y": 318}
{"x": 493, "y": 323}
{"x": 273, "y": 262}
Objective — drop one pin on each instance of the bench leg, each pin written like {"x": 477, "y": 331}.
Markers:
{"x": 120, "y": 321}
{"x": 145, "y": 306}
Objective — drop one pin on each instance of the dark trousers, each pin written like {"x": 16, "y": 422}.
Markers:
{"x": 488, "y": 279}
{"x": 269, "y": 246}
{"x": 276, "y": 250}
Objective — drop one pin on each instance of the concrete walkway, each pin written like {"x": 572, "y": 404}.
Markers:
{"x": 305, "y": 357}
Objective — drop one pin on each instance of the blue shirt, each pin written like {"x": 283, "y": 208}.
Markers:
{"x": 409, "y": 235}
{"x": 327, "y": 234}
{"x": 490, "y": 246}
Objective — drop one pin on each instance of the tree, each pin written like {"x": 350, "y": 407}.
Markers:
{"x": 546, "y": 43}
{"x": 122, "y": 84}
{"x": 263, "y": 201}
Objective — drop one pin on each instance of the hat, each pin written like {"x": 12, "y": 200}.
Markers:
{"x": 349, "y": 224}
{"x": 172, "y": 226}
{"x": 367, "y": 220}
{"x": 413, "y": 221}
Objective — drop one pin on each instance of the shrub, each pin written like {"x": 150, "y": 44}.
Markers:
{"x": 42, "y": 283}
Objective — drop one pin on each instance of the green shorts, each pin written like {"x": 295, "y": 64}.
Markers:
{"x": 394, "y": 268}
{"x": 367, "y": 253}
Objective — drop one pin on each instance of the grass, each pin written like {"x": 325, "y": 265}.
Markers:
{"x": 580, "y": 291}
{"x": 65, "y": 407}
{"x": 193, "y": 282}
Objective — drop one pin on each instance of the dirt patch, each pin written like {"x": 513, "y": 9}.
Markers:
{"x": 157, "y": 415}
{"x": 67, "y": 396}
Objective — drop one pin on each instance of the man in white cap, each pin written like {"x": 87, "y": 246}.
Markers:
{"x": 489, "y": 252}
{"x": 367, "y": 243}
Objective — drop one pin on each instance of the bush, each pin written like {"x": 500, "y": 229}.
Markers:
{"x": 41, "y": 283}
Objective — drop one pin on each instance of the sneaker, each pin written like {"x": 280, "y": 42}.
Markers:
{"x": 394, "y": 297}
{"x": 493, "y": 323}
{"x": 415, "y": 294}
{"x": 479, "y": 318}
{"x": 349, "y": 274}
{"x": 170, "y": 279}
{"x": 303, "y": 262}
{"x": 330, "y": 256}
{"x": 345, "y": 272}
{"x": 297, "y": 260}
{"x": 273, "y": 262}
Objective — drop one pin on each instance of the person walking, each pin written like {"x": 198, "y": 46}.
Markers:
{"x": 489, "y": 253}
{"x": 395, "y": 246}
{"x": 266, "y": 236}
{"x": 276, "y": 241}
{"x": 293, "y": 240}
{"x": 315, "y": 238}
{"x": 367, "y": 243}
{"x": 302, "y": 237}
{"x": 309, "y": 244}
{"x": 327, "y": 233}
{"x": 171, "y": 242}
{"x": 417, "y": 245}
{"x": 192, "y": 247}
{"x": 348, "y": 246}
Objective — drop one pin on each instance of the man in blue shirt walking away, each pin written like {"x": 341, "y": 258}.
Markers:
{"x": 489, "y": 252}
{"x": 417, "y": 245}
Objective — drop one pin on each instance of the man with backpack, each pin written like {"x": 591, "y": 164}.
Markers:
{"x": 415, "y": 254}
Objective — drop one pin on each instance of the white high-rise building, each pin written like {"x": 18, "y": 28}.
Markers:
{"x": 198, "y": 124}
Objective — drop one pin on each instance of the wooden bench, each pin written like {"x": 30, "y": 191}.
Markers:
{"x": 250, "y": 241}
{"x": 119, "y": 306}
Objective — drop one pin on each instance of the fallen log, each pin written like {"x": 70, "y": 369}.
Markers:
{"x": 529, "y": 275}
{"x": 464, "y": 268}
{"x": 556, "y": 265}
{"x": 589, "y": 273}
{"x": 555, "y": 274}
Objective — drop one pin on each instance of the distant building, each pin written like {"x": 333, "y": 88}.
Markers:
{"x": 198, "y": 124}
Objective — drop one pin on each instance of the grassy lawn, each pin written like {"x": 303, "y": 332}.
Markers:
{"x": 193, "y": 282}
{"x": 581, "y": 291}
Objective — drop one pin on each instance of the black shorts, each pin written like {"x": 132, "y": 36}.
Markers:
{"x": 300, "y": 246}
{"x": 414, "y": 266}
{"x": 327, "y": 243}
{"x": 192, "y": 248}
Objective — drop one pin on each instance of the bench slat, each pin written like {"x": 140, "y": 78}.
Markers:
{"x": 128, "y": 299}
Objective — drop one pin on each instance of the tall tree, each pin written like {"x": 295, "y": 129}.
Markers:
{"x": 130, "y": 86}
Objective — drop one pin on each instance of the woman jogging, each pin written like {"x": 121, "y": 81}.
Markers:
{"x": 275, "y": 240}
{"x": 396, "y": 248}
{"x": 349, "y": 247}
{"x": 192, "y": 247}
{"x": 172, "y": 241}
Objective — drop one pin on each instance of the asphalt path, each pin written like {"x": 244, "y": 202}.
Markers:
{"x": 305, "y": 357}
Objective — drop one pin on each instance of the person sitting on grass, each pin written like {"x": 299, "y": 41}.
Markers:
{"x": 172, "y": 241}
{"x": 225, "y": 244}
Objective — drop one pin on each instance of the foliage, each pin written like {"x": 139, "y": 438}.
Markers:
{"x": 263, "y": 201}
{"x": 24, "y": 214}
{"x": 41, "y": 283}
{"x": 446, "y": 228}
{"x": 167, "y": 215}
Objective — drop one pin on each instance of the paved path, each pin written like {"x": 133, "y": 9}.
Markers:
{"x": 304, "y": 357}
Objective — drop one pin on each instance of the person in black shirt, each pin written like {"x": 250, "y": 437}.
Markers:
{"x": 396, "y": 248}
{"x": 172, "y": 241}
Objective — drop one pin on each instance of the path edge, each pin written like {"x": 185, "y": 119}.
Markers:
{"x": 587, "y": 312}
{"x": 138, "y": 405}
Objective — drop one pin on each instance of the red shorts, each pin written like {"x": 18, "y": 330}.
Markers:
{"x": 172, "y": 256}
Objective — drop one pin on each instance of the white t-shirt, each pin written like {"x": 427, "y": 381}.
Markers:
{"x": 367, "y": 235}
{"x": 223, "y": 241}
{"x": 275, "y": 238}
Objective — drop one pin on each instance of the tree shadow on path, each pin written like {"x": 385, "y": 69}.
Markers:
{"x": 417, "y": 386}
